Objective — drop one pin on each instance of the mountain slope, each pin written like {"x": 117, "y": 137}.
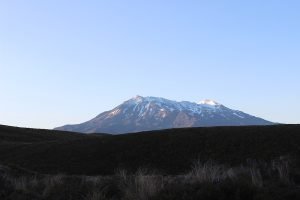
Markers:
{"x": 153, "y": 113}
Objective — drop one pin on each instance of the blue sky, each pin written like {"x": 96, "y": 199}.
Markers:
{"x": 65, "y": 62}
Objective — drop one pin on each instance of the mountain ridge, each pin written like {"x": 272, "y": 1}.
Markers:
{"x": 154, "y": 113}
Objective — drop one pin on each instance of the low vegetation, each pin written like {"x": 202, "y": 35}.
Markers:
{"x": 169, "y": 151}
{"x": 278, "y": 179}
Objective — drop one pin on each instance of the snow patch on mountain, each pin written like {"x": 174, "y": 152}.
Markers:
{"x": 209, "y": 102}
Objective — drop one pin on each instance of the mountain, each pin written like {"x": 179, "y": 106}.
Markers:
{"x": 153, "y": 113}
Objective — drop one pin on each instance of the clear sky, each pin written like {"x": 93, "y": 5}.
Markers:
{"x": 64, "y": 62}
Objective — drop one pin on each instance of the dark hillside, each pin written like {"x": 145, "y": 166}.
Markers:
{"x": 169, "y": 151}
{"x": 15, "y": 134}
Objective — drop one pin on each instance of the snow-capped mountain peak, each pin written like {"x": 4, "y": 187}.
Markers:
{"x": 209, "y": 102}
{"x": 153, "y": 113}
{"x": 139, "y": 98}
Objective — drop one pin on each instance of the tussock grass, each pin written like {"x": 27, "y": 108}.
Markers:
{"x": 209, "y": 172}
{"x": 142, "y": 185}
{"x": 206, "y": 180}
{"x": 282, "y": 166}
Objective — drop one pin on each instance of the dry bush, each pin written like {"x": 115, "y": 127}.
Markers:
{"x": 141, "y": 186}
{"x": 92, "y": 179}
{"x": 255, "y": 173}
{"x": 52, "y": 183}
{"x": 282, "y": 166}
{"x": 209, "y": 172}
{"x": 256, "y": 177}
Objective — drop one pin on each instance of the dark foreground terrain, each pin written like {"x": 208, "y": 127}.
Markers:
{"x": 168, "y": 151}
{"x": 276, "y": 180}
{"x": 258, "y": 162}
